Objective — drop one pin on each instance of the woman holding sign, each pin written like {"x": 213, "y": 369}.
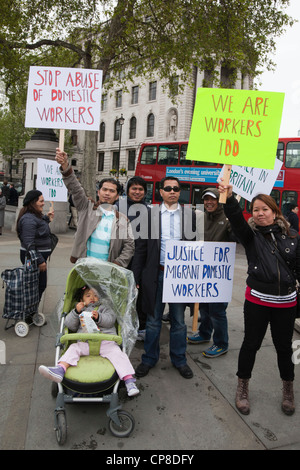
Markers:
{"x": 34, "y": 232}
{"x": 273, "y": 254}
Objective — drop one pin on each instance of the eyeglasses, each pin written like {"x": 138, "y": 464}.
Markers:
{"x": 168, "y": 189}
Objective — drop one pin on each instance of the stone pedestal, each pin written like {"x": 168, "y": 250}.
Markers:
{"x": 42, "y": 144}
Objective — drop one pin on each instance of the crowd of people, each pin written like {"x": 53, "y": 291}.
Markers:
{"x": 128, "y": 232}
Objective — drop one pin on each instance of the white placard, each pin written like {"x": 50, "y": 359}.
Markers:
{"x": 64, "y": 98}
{"x": 247, "y": 182}
{"x": 49, "y": 181}
{"x": 198, "y": 272}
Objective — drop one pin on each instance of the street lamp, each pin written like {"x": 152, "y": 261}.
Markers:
{"x": 121, "y": 122}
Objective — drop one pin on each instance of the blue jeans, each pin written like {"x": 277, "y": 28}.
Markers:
{"x": 177, "y": 331}
{"x": 214, "y": 321}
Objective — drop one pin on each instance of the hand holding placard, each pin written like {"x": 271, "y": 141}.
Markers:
{"x": 225, "y": 179}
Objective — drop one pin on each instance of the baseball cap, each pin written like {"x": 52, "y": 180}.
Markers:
{"x": 213, "y": 192}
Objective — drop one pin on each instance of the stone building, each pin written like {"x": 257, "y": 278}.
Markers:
{"x": 148, "y": 115}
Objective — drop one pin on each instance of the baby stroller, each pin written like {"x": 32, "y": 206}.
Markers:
{"x": 22, "y": 296}
{"x": 94, "y": 379}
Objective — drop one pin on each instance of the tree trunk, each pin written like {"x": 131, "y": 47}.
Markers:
{"x": 88, "y": 179}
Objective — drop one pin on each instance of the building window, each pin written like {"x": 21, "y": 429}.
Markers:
{"x": 74, "y": 137}
{"x": 118, "y": 99}
{"x": 150, "y": 125}
{"x": 134, "y": 95}
{"x": 104, "y": 102}
{"x": 117, "y": 130}
{"x": 132, "y": 128}
{"x": 174, "y": 85}
{"x": 115, "y": 161}
{"x": 100, "y": 161}
{"x": 152, "y": 91}
{"x": 131, "y": 160}
{"x": 102, "y": 132}
{"x": 228, "y": 75}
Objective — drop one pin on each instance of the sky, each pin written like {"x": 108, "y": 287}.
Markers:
{"x": 286, "y": 77}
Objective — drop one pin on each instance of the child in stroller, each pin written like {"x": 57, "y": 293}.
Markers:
{"x": 104, "y": 320}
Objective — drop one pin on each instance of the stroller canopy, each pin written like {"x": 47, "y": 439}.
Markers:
{"x": 116, "y": 288}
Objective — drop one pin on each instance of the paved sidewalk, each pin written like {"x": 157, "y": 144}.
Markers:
{"x": 171, "y": 413}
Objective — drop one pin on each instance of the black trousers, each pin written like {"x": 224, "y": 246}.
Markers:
{"x": 257, "y": 318}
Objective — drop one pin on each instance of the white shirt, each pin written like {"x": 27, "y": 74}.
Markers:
{"x": 166, "y": 228}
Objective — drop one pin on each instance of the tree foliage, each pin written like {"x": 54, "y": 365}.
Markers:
{"x": 151, "y": 36}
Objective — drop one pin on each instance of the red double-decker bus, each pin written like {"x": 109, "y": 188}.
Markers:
{"x": 160, "y": 159}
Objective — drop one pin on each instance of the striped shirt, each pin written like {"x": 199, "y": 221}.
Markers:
{"x": 276, "y": 301}
{"x": 99, "y": 241}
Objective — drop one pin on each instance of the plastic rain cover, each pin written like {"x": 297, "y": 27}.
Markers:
{"x": 116, "y": 288}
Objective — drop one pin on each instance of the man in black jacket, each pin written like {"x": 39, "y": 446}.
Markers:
{"x": 165, "y": 222}
{"x": 133, "y": 206}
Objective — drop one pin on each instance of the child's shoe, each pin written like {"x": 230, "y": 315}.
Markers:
{"x": 132, "y": 389}
{"x": 56, "y": 374}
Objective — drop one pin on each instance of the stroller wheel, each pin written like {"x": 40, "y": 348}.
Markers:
{"x": 21, "y": 329}
{"x": 126, "y": 427}
{"x": 38, "y": 319}
{"x": 61, "y": 428}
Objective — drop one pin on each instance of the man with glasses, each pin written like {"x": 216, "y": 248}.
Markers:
{"x": 148, "y": 267}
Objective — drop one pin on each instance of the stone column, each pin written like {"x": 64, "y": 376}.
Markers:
{"x": 42, "y": 144}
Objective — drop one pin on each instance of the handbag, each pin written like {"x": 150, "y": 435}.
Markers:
{"x": 54, "y": 241}
{"x": 297, "y": 286}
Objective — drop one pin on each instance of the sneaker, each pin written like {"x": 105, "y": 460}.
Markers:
{"x": 56, "y": 374}
{"x": 214, "y": 351}
{"x": 132, "y": 389}
{"x": 197, "y": 339}
{"x": 141, "y": 335}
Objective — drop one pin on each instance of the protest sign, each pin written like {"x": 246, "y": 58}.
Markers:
{"x": 64, "y": 98}
{"x": 236, "y": 127}
{"x": 49, "y": 181}
{"x": 247, "y": 182}
{"x": 198, "y": 272}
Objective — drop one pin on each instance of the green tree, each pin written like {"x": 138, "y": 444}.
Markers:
{"x": 152, "y": 36}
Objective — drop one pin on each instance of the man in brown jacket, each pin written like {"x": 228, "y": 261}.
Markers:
{"x": 102, "y": 232}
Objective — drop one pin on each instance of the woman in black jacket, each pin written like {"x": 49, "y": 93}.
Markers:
{"x": 34, "y": 232}
{"x": 270, "y": 292}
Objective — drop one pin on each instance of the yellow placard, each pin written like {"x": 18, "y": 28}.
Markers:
{"x": 236, "y": 127}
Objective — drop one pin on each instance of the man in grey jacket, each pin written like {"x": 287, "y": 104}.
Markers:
{"x": 102, "y": 232}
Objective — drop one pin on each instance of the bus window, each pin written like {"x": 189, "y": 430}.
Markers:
{"x": 182, "y": 159}
{"x": 148, "y": 156}
{"x": 197, "y": 194}
{"x": 195, "y": 162}
{"x": 288, "y": 197}
{"x": 280, "y": 151}
{"x": 149, "y": 193}
{"x": 168, "y": 154}
{"x": 184, "y": 197}
{"x": 242, "y": 202}
{"x": 276, "y": 196}
{"x": 157, "y": 196}
{"x": 292, "y": 159}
